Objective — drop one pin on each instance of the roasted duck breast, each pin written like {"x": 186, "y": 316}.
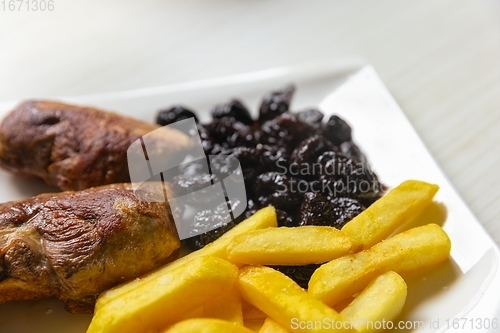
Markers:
{"x": 75, "y": 147}
{"x": 74, "y": 245}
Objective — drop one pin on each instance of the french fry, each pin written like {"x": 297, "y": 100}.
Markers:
{"x": 264, "y": 218}
{"x": 226, "y": 306}
{"x": 162, "y": 301}
{"x": 285, "y": 302}
{"x": 385, "y": 215}
{"x": 288, "y": 246}
{"x": 340, "y": 305}
{"x": 408, "y": 251}
{"x": 194, "y": 313}
{"x": 207, "y": 325}
{"x": 270, "y": 326}
{"x": 381, "y": 301}
{"x": 253, "y": 324}
{"x": 250, "y": 312}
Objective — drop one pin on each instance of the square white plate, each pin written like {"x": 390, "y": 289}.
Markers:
{"x": 464, "y": 292}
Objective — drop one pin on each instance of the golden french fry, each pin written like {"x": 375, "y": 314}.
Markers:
{"x": 285, "y": 302}
{"x": 194, "y": 313}
{"x": 270, "y": 326}
{"x": 264, "y": 218}
{"x": 207, "y": 325}
{"x": 253, "y": 324}
{"x": 340, "y": 305}
{"x": 250, "y": 312}
{"x": 226, "y": 306}
{"x": 381, "y": 301}
{"x": 288, "y": 246}
{"x": 385, "y": 215}
{"x": 162, "y": 301}
{"x": 408, "y": 251}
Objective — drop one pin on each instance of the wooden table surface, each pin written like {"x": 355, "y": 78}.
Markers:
{"x": 440, "y": 59}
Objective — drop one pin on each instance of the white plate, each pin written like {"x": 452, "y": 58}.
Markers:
{"x": 467, "y": 287}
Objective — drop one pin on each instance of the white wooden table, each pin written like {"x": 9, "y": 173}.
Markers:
{"x": 440, "y": 59}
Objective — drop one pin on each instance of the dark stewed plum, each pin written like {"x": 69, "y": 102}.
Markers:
{"x": 247, "y": 158}
{"x": 272, "y": 158}
{"x": 184, "y": 184}
{"x": 222, "y": 129}
{"x": 233, "y": 109}
{"x": 336, "y": 130}
{"x": 244, "y": 137}
{"x": 175, "y": 113}
{"x": 313, "y": 117}
{"x": 204, "y": 218}
{"x": 229, "y": 133}
{"x": 220, "y": 218}
{"x": 285, "y": 132}
{"x": 286, "y": 219}
{"x": 207, "y": 142}
{"x": 300, "y": 274}
{"x": 344, "y": 176}
{"x": 273, "y": 188}
{"x": 318, "y": 209}
{"x": 308, "y": 151}
{"x": 276, "y": 103}
{"x": 359, "y": 182}
{"x": 346, "y": 209}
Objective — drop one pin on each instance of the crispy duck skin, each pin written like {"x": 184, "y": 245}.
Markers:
{"x": 74, "y": 245}
{"x": 74, "y": 147}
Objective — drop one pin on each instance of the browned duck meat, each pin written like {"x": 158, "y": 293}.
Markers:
{"x": 75, "y": 147}
{"x": 74, "y": 245}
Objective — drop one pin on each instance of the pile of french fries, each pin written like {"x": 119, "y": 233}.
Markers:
{"x": 227, "y": 287}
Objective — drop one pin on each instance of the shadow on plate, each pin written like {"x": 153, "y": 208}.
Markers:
{"x": 435, "y": 213}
